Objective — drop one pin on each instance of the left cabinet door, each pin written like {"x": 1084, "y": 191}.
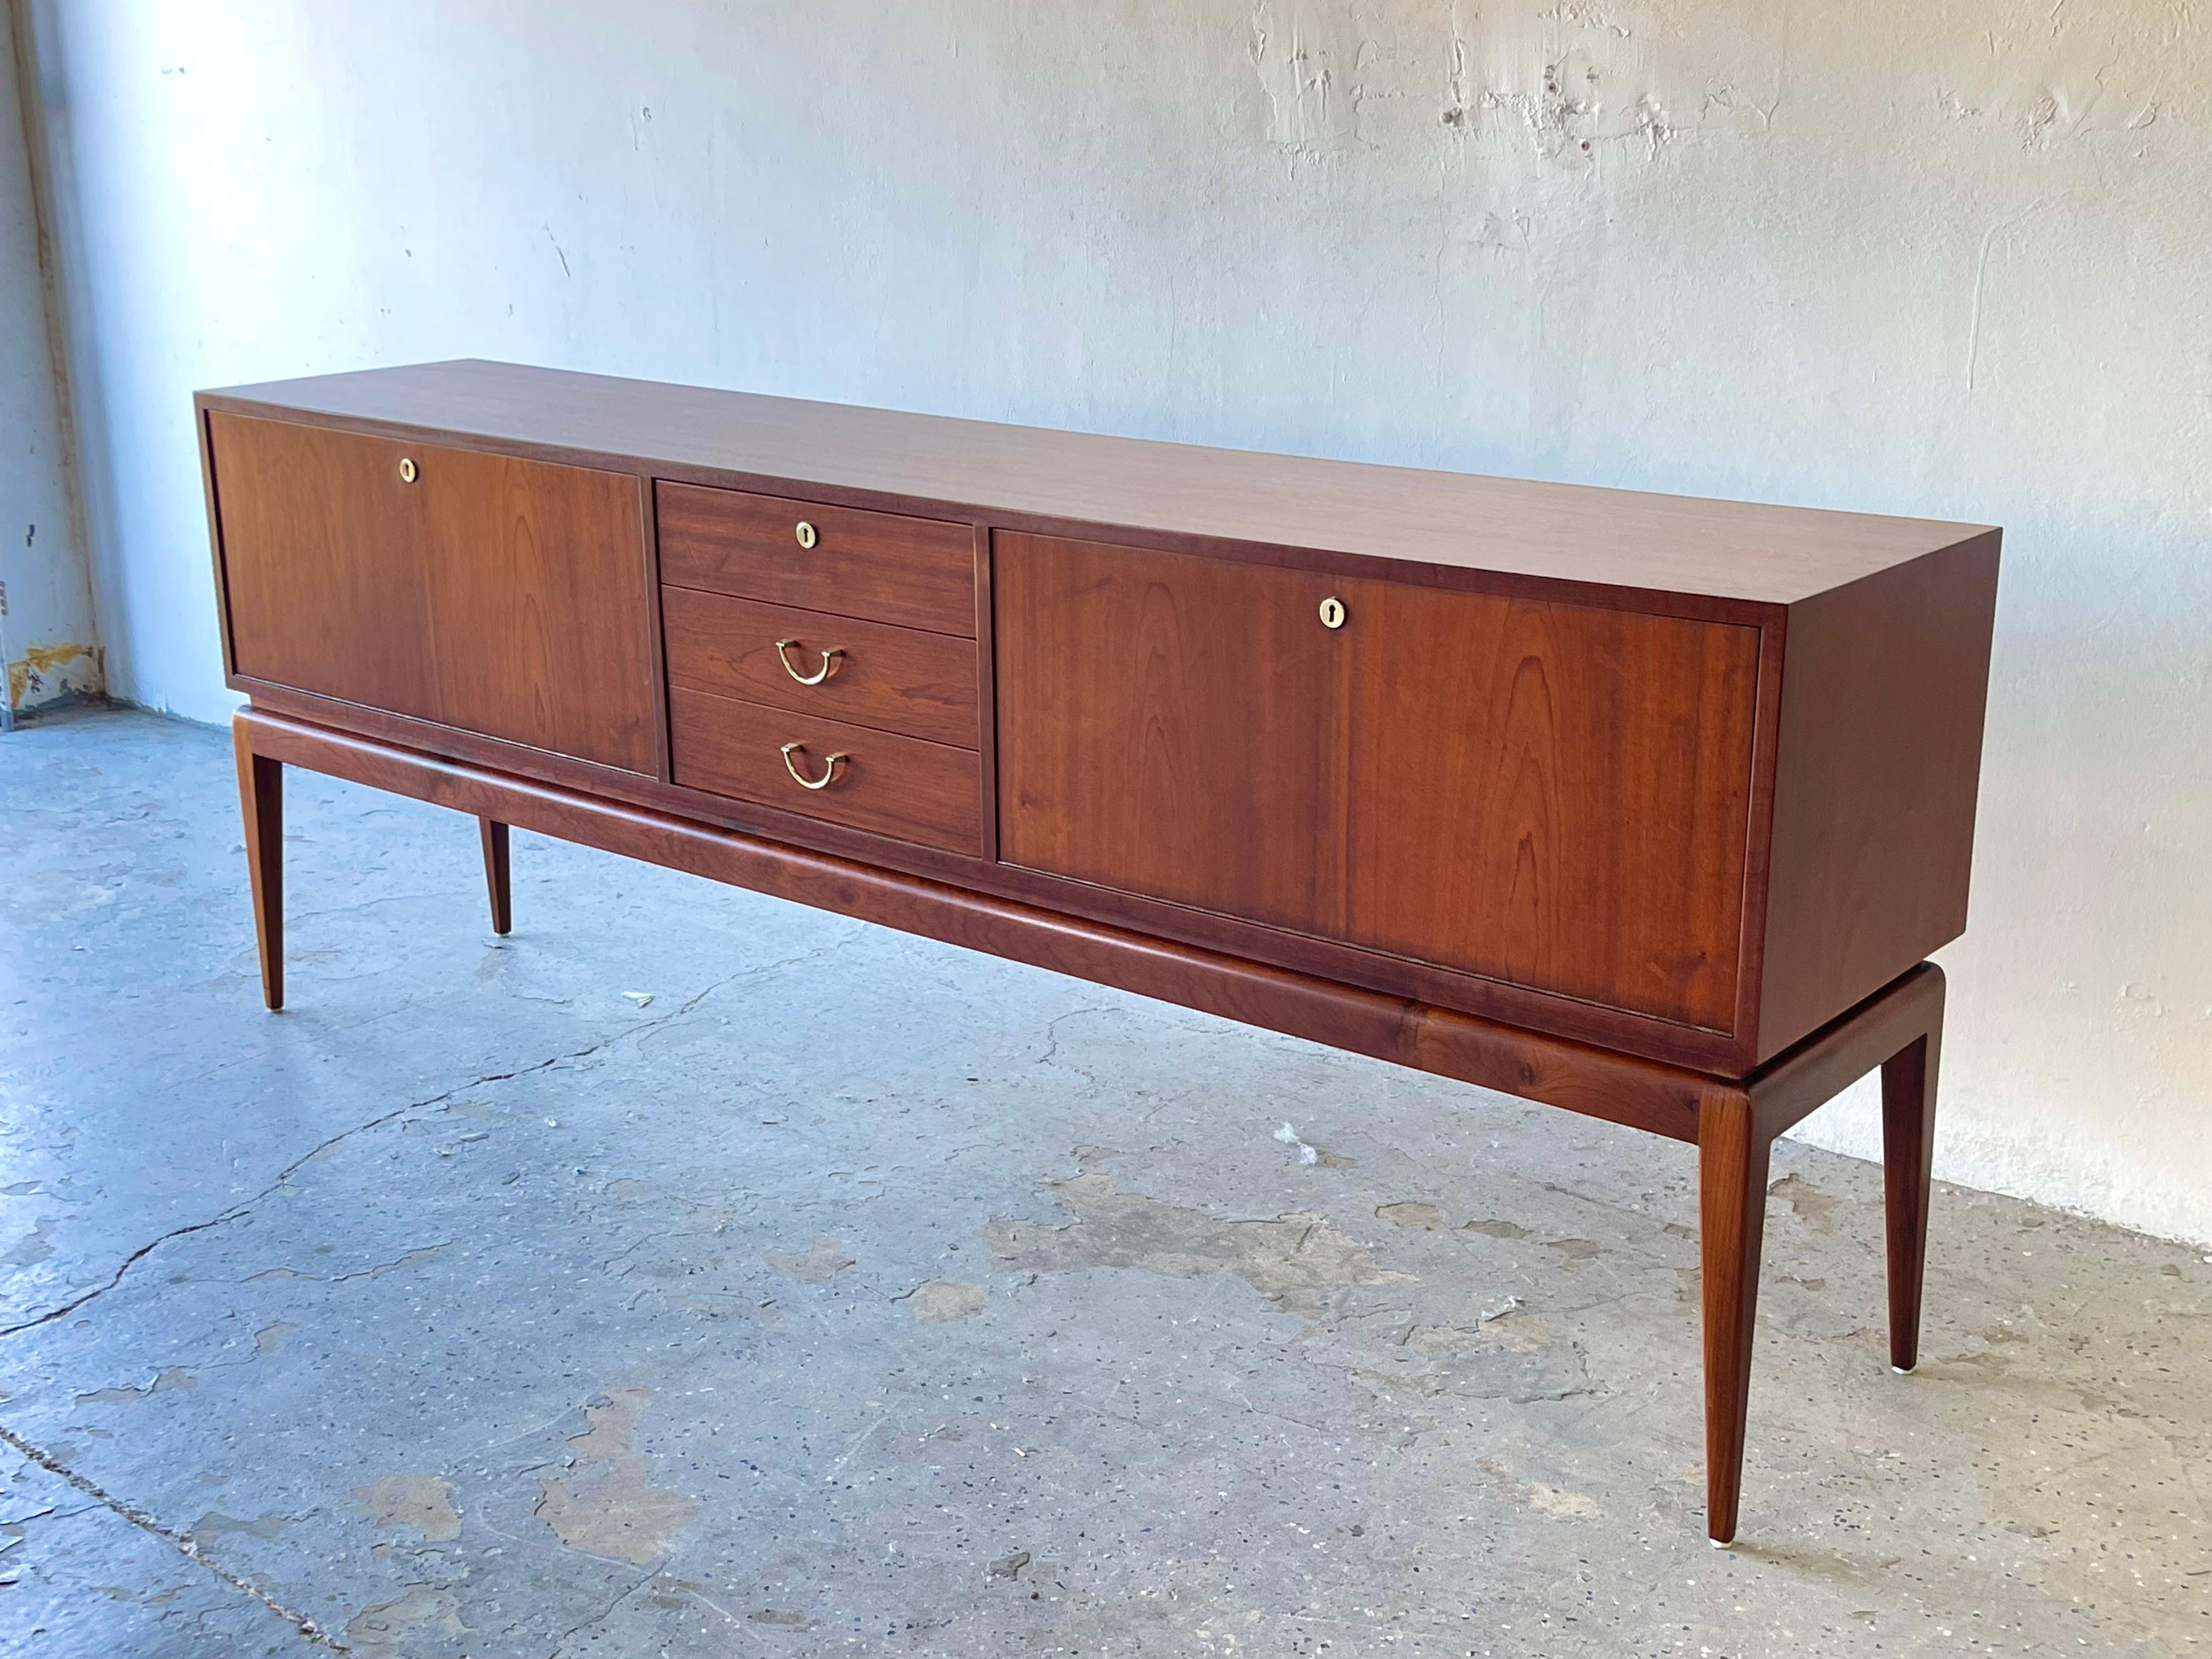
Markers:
{"x": 497, "y": 595}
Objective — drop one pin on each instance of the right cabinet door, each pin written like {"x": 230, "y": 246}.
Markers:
{"x": 1555, "y": 796}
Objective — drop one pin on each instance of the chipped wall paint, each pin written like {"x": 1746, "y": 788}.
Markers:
{"x": 48, "y": 645}
{"x": 51, "y": 673}
{"x": 1935, "y": 260}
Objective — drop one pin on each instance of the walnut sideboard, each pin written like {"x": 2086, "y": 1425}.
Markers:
{"x": 1642, "y": 806}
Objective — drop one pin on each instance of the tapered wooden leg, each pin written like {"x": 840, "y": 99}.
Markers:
{"x": 1732, "y": 1162}
{"x": 261, "y": 802}
{"x": 1908, "y": 1155}
{"x": 495, "y": 875}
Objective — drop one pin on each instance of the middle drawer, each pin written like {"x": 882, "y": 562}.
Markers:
{"x": 864, "y": 673}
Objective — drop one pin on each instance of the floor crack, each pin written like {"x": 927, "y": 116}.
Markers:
{"x": 245, "y": 1205}
{"x": 603, "y": 1613}
{"x": 178, "y": 1541}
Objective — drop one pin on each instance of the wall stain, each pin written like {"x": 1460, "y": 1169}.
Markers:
{"x": 47, "y": 673}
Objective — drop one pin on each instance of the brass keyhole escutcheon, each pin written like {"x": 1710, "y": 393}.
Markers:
{"x": 407, "y": 472}
{"x": 807, "y": 534}
{"x": 1332, "y": 612}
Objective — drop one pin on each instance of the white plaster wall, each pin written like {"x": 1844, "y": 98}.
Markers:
{"x": 1945, "y": 259}
{"x": 50, "y": 645}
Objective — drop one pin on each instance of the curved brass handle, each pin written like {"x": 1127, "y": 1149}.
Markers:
{"x": 829, "y": 773}
{"x": 828, "y": 663}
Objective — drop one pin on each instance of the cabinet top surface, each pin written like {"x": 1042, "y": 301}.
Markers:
{"x": 1566, "y": 533}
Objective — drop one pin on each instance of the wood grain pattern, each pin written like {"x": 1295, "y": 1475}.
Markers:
{"x": 1733, "y": 1160}
{"x": 1549, "y": 795}
{"x": 1908, "y": 1167}
{"x": 499, "y": 878}
{"x": 1062, "y": 483}
{"x": 894, "y": 679}
{"x": 261, "y": 807}
{"x": 916, "y": 573}
{"x": 895, "y": 786}
{"x": 1885, "y": 685}
{"x": 1576, "y": 1077}
{"x": 503, "y": 596}
{"x": 1396, "y": 976}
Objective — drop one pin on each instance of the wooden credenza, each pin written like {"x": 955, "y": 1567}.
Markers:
{"x": 1642, "y": 806}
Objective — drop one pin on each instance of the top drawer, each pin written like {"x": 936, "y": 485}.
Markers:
{"x": 883, "y": 567}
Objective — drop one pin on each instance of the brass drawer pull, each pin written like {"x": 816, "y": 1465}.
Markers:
{"x": 828, "y": 773}
{"x": 829, "y": 659}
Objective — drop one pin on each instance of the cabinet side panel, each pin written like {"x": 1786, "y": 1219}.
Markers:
{"x": 1884, "y": 686}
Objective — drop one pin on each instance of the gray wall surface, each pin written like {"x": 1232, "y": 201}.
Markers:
{"x": 1942, "y": 261}
{"x": 49, "y": 646}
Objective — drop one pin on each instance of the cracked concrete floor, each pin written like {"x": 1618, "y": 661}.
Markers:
{"x": 693, "y": 1273}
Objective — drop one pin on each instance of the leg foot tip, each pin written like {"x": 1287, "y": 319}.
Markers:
{"x": 1721, "y": 1543}
{"x": 1902, "y": 1370}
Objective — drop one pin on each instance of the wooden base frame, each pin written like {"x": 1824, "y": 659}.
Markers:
{"x": 1732, "y": 1122}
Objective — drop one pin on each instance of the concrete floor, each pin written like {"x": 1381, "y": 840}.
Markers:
{"x": 692, "y": 1274}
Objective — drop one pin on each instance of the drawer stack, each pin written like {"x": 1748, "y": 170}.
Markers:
{"x": 822, "y": 660}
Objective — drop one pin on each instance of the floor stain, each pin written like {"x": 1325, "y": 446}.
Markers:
{"x": 377, "y": 1630}
{"x": 1420, "y": 1383}
{"x": 1562, "y": 1506}
{"x": 31, "y": 1248}
{"x": 715, "y": 1304}
{"x": 1425, "y": 1216}
{"x": 1813, "y": 1207}
{"x": 1297, "y": 1261}
{"x": 1515, "y": 1332}
{"x": 266, "y": 1338}
{"x": 821, "y": 1261}
{"x": 423, "y": 1503}
{"x": 934, "y": 1301}
{"x": 616, "y": 1512}
{"x": 176, "y": 1377}
{"x": 782, "y": 1618}
{"x": 1491, "y": 1229}
{"x": 216, "y": 1524}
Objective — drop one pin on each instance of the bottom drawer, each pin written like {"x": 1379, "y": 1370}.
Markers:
{"x": 894, "y": 786}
